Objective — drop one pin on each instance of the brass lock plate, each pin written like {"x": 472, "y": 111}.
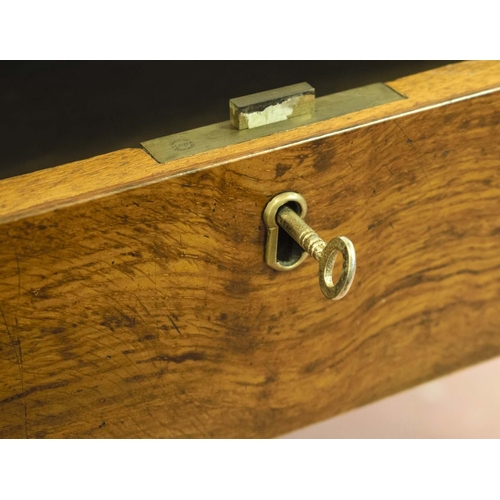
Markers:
{"x": 223, "y": 134}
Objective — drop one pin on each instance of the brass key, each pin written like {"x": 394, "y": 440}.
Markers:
{"x": 325, "y": 253}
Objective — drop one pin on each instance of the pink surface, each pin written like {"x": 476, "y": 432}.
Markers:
{"x": 465, "y": 404}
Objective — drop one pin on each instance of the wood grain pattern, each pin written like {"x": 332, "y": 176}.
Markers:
{"x": 151, "y": 313}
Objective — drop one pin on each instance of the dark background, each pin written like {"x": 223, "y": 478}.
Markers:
{"x": 54, "y": 112}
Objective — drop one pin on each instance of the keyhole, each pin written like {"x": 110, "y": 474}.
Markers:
{"x": 288, "y": 251}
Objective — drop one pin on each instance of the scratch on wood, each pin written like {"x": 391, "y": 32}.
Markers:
{"x": 193, "y": 356}
{"x": 174, "y": 325}
{"x": 408, "y": 140}
{"x": 13, "y": 345}
{"x": 40, "y": 388}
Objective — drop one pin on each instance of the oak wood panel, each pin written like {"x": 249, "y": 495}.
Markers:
{"x": 151, "y": 313}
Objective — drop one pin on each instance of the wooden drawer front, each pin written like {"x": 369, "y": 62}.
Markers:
{"x": 151, "y": 312}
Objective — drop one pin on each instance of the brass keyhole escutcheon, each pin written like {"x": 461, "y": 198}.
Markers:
{"x": 286, "y": 212}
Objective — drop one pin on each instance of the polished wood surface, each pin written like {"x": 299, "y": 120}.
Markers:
{"x": 135, "y": 302}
